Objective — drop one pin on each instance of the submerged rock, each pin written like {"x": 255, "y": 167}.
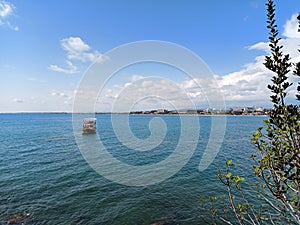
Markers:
{"x": 19, "y": 219}
{"x": 161, "y": 223}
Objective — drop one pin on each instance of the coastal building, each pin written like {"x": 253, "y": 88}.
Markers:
{"x": 249, "y": 110}
{"x": 238, "y": 111}
{"x": 162, "y": 111}
{"x": 259, "y": 111}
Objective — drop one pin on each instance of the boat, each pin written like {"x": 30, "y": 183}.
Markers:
{"x": 89, "y": 126}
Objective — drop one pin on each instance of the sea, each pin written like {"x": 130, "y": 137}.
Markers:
{"x": 46, "y": 178}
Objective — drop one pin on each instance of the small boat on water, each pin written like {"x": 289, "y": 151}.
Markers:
{"x": 89, "y": 126}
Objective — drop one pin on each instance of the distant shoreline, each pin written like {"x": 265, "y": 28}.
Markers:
{"x": 237, "y": 111}
{"x": 150, "y": 114}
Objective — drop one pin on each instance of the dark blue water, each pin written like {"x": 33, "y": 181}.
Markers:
{"x": 43, "y": 173}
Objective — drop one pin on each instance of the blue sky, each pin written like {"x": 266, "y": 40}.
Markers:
{"x": 47, "y": 46}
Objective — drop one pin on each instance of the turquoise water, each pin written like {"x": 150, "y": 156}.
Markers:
{"x": 43, "y": 173}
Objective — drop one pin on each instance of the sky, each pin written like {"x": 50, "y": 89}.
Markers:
{"x": 47, "y": 47}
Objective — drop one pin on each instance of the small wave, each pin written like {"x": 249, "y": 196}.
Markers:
{"x": 57, "y": 138}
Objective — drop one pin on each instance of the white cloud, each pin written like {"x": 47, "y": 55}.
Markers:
{"x": 70, "y": 70}
{"x": 33, "y": 79}
{"x": 63, "y": 95}
{"x": 77, "y": 49}
{"x": 18, "y": 100}
{"x": 59, "y": 94}
{"x": 291, "y": 27}
{"x": 15, "y": 28}
{"x": 74, "y": 44}
{"x": 63, "y": 98}
{"x": 136, "y": 77}
{"x": 260, "y": 46}
{"x": 146, "y": 93}
{"x": 6, "y": 10}
{"x": 248, "y": 84}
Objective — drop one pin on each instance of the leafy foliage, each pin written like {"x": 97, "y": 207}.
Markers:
{"x": 277, "y": 162}
{"x": 297, "y": 66}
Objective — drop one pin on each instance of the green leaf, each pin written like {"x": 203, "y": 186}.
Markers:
{"x": 228, "y": 175}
